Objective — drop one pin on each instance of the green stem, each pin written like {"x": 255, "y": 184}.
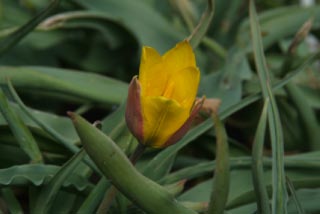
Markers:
{"x": 215, "y": 47}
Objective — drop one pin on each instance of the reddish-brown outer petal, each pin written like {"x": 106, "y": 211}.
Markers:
{"x": 133, "y": 115}
{"x": 186, "y": 126}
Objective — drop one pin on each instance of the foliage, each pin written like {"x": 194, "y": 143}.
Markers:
{"x": 260, "y": 58}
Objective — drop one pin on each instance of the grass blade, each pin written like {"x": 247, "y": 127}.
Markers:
{"x": 60, "y": 139}
{"x": 201, "y": 29}
{"x": 49, "y": 192}
{"x": 257, "y": 163}
{"x": 294, "y": 196}
{"x": 11, "y": 201}
{"x": 14, "y": 38}
{"x": 221, "y": 180}
{"x": 49, "y": 130}
{"x": 93, "y": 200}
{"x": 279, "y": 193}
{"x": 20, "y": 131}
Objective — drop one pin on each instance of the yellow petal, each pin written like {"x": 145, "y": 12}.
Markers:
{"x": 152, "y": 79}
{"x": 185, "y": 85}
{"x": 179, "y": 57}
{"x": 162, "y": 117}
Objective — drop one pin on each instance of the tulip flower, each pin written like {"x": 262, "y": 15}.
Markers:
{"x": 161, "y": 101}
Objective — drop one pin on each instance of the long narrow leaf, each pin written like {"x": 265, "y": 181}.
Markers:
{"x": 45, "y": 127}
{"x": 221, "y": 180}
{"x": 279, "y": 195}
{"x": 294, "y": 196}
{"x": 65, "y": 83}
{"x": 11, "y": 200}
{"x": 49, "y": 192}
{"x": 48, "y": 129}
{"x": 19, "y": 130}
{"x": 257, "y": 163}
{"x": 201, "y": 29}
{"x": 14, "y": 38}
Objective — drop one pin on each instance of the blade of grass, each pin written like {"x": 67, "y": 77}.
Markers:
{"x": 221, "y": 179}
{"x": 307, "y": 116}
{"x": 294, "y": 196}
{"x": 238, "y": 163}
{"x": 49, "y": 192}
{"x": 11, "y": 200}
{"x": 49, "y": 130}
{"x": 255, "y": 97}
{"x": 279, "y": 193}
{"x": 13, "y": 39}
{"x": 306, "y": 113}
{"x": 257, "y": 163}
{"x": 90, "y": 204}
{"x": 203, "y": 25}
{"x": 60, "y": 139}
{"x": 20, "y": 130}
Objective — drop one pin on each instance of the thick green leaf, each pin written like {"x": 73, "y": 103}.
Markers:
{"x": 145, "y": 22}
{"x": 38, "y": 175}
{"x": 145, "y": 193}
{"x": 66, "y": 84}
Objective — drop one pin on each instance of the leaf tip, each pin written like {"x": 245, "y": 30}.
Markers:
{"x": 72, "y": 115}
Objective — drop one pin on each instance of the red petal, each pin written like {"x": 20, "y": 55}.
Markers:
{"x": 186, "y": 126}
{"x": 133, "y": 110}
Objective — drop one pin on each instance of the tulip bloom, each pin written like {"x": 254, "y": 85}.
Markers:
{"x": 161, "y": 101}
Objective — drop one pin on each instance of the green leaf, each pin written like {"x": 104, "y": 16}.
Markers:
{"x": 11, "y": 200}
{"x": 306, "y": 115}
{"x": 49, "y": 192}
{"x": 150, "y": 27}
{"x": 66, "y": 83}
{"x": 279, "y": 197}
{"x": 201, "y": 29}
{"x": 221, "y": 179}
{"x": 59, "y": 138}
{"x": 279, "y": 23}
{"x": 19, "y": 130}
{"x": 148, "y": 195}
{"x": 91, "y": 203}
{"x": 13, "y": 39}
{"x": 294, "y": 197}
{"x": 257, "y": 163}
{"x": 38, "y": 175}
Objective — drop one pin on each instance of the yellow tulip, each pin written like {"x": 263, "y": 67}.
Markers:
{"x": 161, "y": 101}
